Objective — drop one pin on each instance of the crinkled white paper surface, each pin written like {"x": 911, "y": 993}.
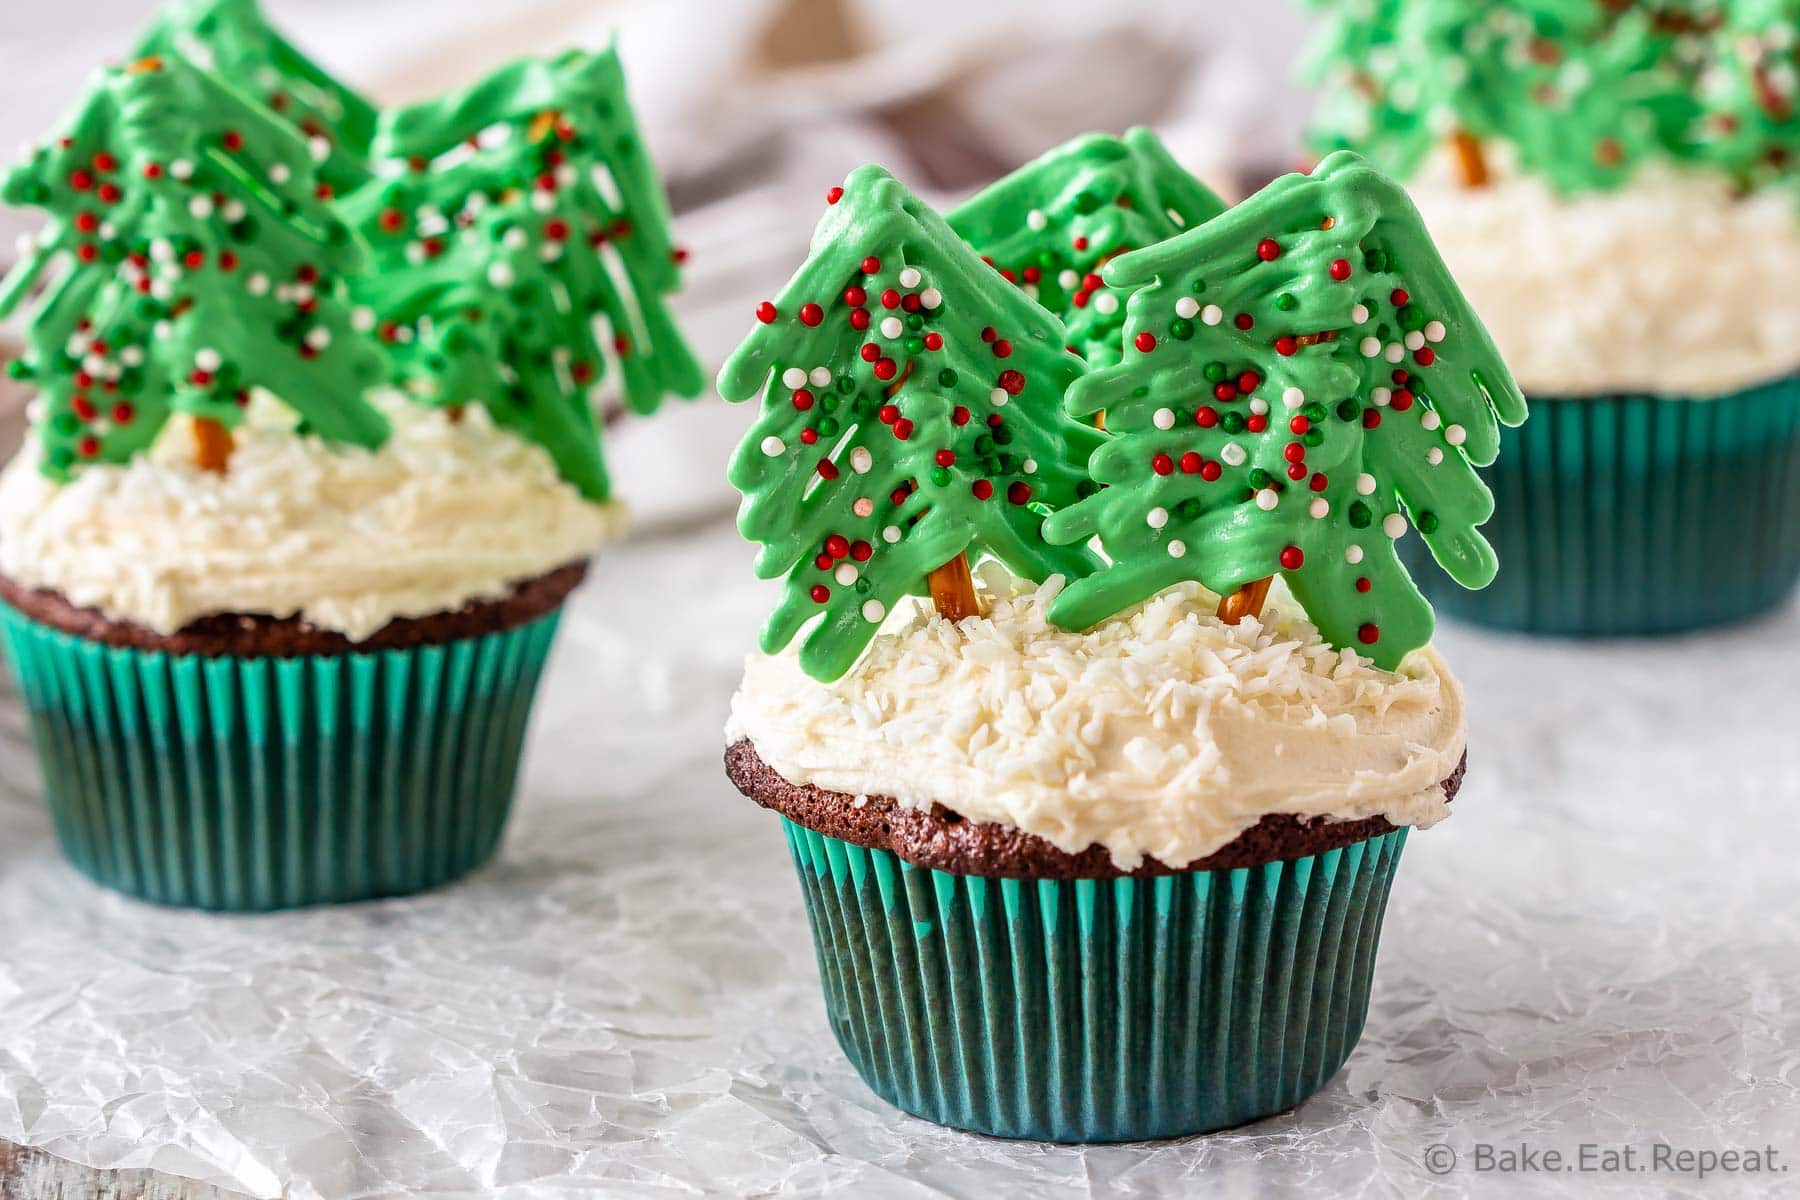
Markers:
{"x": 1602, "y": 945}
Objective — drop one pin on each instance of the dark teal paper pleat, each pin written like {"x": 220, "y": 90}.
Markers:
{"x": 1095, "y": 1010}
{"x": 1634, "y": 515}
{"x": 248, "y": 784}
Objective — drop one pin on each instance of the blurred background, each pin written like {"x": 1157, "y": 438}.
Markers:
{"x": 754, "y": 107}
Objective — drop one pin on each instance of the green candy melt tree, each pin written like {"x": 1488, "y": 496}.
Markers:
{"x": 1583, "y": 91}
{"x": 911, "y": 416}
{"x": 527, "y": 209}
{"x": 1300, "y": 368}
{"x": 233, "y": 40}
{"x": 201, "y": 263}
{"x": 1052, "y": 224}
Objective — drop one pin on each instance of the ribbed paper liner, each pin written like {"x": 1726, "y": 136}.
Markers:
{"x": 259, "y": 783}
{"x": 1089, "y": 1011}
{"x": 1638, "y": 514}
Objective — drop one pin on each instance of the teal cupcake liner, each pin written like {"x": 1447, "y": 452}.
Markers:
{"x": 1636, "y": 515}
{"x": 1095, "y": 1010}
{"x": 261, "y": 783}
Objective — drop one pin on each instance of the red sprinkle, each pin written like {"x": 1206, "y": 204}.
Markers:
{"x": 765, "y": 312}
{"x": 1291, "y": 558}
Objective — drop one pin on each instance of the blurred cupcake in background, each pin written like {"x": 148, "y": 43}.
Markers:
{"x": 1613, "y": 187}
{"x": 284, "y": 553}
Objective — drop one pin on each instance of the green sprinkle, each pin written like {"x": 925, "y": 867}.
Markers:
{"x": 1359, "y": 515}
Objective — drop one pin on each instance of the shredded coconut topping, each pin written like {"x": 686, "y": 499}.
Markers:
{"x": 1162, "y": 732}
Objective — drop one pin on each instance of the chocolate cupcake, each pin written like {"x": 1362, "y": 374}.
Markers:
{"x": 1094, "y": 887}
{"x": 283, "y": 556}
{"x": 1613, "y": 187}
{"x": 1101, "y": 851}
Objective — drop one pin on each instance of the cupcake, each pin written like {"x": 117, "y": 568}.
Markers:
{"x": 281, "y": 564}
{"x": 1100, "y": 850}
{"x": 1613, "y": 190}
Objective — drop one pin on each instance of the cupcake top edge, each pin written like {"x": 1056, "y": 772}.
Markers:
{"x": 1164, "y": 733}
{"x": 347, "y": 538}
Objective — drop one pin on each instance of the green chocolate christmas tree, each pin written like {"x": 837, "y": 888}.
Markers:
{"x": 233, "y": 40}
{"x": 1748, "y": 90}
{"x": 911, "y": 418}
{"x": 528, "y": 209}
{"x": 1052, "y": 224}
{"x": 1582, "y": 91}
{"x": 1300, "y": 368}
{"x": 201, "y": 263}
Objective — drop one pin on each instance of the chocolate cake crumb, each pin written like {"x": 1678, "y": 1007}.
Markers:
{"x": 947, "y": 841}
{"x": 249, "y": 635}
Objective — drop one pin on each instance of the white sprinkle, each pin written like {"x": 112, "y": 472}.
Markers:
{"x": 1267, "y": 499}
{"x": 931, "y": 297}
{"x": 415, "y": 253}
{"x": 891, "y": 534}
{"x": 1370, "y": 347}
{"x": 1035, "y": 219}
{"x": 500, "y": 275}
{"x": 162, "y": 329}
{"x": 845, "y": 574}
{"x": 862, "y": 462}
{"x": 1187, "y": 307}
{"x": 257, "y": 284}
{"x": 1319, "y": 507}
{"x": 1381, "y": 396}
{"x": 1212, "y": 314}
{"x": 207, "y": 359}
{"x": 793, "y": 378}
{"x": 821, "y": 377}
{"x": 542, "y": 201}
{"x": 1456, "y": 435}
{"x": 512, "y": 239}
{"x": 998, "y": 397}
{"x": 1435, "y": 455}
{"x": 1365, "y": 484}
{"x": 200, "y": 207}
{"x": 863, "y": 506}
{"x": 181, "y": 168}
{"x": 773, "y": 446}
{"x": 565, "y": 175}
{"x": 162, "y": 289}
{"x": 1293, "y": 397}
{"x": 1395, "y": 352}
{"x": 318, "y": 337}
{"x": 1156, "y": 518}
{"x": 1232, "y": 455}
{"x": 301, "y": 293}
{"x": 319, "y": 148}
{"x": 1430, "y": 419}
{"x": 1031, "y": 466}
{"x": 362, "y": 319}
{"x": 1068, "y": 281}
{"x": 132, "y": 356}
{"x": 1164, "y": 418}
{"x": 278, "y": 173}
{"x": 1414, "y": 340}
{"x": 1434, "y": 331}
{"x": 1353, "y": 555}
{"x": 1359, "y": 313}
{"x": 1259, "y": 406}
{"x": 1030, "y": 289}
{"x": 1394, "y": 525}
{"x": 891, "y": 327}
{"x": 873, "y": 611}
{"x": 910, "y": 277}
{"x": 1106, "y": 303}
{"x": 1177, "y": 548}
{"x": 162, "y": 250}
{"x": 233, "y": 211}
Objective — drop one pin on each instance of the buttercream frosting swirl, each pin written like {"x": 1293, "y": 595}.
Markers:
{"x": 1162, "y": 732}
{"x": 444, "y": 513}
{"x": 1673, "y": 284}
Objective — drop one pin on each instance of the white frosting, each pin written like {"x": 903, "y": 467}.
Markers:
{"x": 444, "y": 513}
{"x": 1672, "y": 284}
{"x": 1162, "y": 732}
